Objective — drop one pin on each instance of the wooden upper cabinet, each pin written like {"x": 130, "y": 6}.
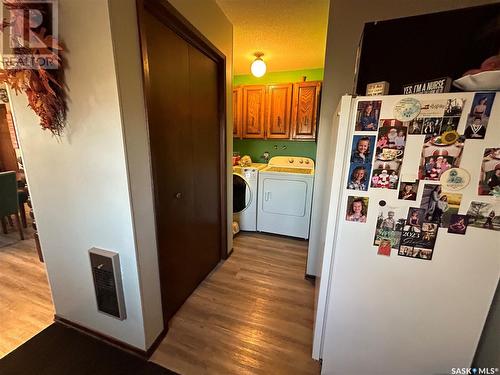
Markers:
{"x": 305, "y": 109}
{"x": 278, "y": 111}
{"x": 253, "y": 111}
{"x": 237, "y": 103}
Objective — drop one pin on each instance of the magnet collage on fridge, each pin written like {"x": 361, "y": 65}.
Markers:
{"x": 376, "y": 159}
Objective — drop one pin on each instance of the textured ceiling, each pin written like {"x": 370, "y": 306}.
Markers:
{"x": 290, "y": 33}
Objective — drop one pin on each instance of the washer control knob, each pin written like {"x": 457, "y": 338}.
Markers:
{"x": 307, "y": 161}
{"x": 301, "y": 161}
{"x": 290, "y": 160}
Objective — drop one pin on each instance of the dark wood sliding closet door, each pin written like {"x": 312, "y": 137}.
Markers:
{"x": 182, "y": 85}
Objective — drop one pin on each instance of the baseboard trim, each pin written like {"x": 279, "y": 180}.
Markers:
{"x": 145, "y": 354}
{"x": 310, "y": 277}
{"x": 230, "y": 252}
{"x": 156, "y": 343}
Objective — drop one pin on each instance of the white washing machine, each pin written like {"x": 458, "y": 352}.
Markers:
{"x": 285, "y": 196}
{"x": 246, "y": 177}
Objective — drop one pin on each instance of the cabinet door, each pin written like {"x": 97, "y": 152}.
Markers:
{"x": 278, "y": 108}
{"x": 237, "y": 102}
{"x": 253, "y": 111}
{"x": 305, "y": 109}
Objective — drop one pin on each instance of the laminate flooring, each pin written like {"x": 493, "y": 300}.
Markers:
{"x": 25, "y": 301}
{"x": 252, "y": 315}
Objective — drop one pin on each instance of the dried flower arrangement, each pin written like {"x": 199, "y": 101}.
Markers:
{"x": 35, "y": 66}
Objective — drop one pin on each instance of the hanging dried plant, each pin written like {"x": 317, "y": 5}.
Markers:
{"x": 35, "y": 66}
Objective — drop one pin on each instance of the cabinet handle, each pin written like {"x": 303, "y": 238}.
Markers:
{"x": 178, "y": 195}
{"x": 279, "y": 120}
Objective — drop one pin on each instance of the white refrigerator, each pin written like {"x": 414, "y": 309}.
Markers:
{"x": 409, "y": 273}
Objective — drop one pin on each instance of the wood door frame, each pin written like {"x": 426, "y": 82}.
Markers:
{"x": 175, "y": 21}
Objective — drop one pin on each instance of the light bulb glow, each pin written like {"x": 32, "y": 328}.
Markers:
{"x": 258, "y": 67}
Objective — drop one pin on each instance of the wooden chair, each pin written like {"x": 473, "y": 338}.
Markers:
{"x": 9, "y": 203}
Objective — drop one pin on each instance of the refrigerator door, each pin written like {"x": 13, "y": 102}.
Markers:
{"x": 402, "y": 315}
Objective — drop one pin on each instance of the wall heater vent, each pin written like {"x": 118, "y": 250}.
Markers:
{"x": 107, "y": 282}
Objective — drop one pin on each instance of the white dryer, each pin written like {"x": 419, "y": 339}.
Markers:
{"x": 285, "y": 196}
{"x": 245, "y": 185}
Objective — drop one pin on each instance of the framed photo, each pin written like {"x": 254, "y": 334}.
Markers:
{"x": 432, "y": 125}
{"x": 437, "y": 157}
{"x": 361, "y": 162}
{"x": 408, "y": 190}
{"x": 390, "y": 223}
{"x": 479, "y": 116}
{"x": 391, "y": 138}
{"x": 458, "y": 224}
{"x": 489, "y": 180}
{"x": 438, "y": 206}
{"x": 384, "y": 248}
{"x": 363, "y": 148}
{"x": 419, "y": 245}
{"x": 416, "y": 125}
{"x": 484, "y": 215}
{"x": 415, "y": 219}
{"x": 367, "y": 115}
{"x": 359, "y": 176}
{"x": 357, "y": 209}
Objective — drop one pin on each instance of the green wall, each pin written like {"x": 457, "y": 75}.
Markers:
{"x": 279, "y": 77}
{"x": 256, "y": 147}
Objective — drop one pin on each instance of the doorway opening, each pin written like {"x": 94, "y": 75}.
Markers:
{"x": 276, "y": 115}
{"x": 256, "y": 306}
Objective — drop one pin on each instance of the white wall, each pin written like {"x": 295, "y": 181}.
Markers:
{"x": 345, "y": 25}
{"x": 133, "y": 115}
{"x": 92, "y": 187}
{"x": 78, "y": 183}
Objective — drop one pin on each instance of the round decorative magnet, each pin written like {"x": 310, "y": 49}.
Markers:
{"x": 449, "y": 137}
{"x": 455, "y": 179}
{"x": 407, "y": 109}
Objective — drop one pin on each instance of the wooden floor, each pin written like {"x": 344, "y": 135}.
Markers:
{"x": 252, "y": 315}
{"x": 25, "y": 302}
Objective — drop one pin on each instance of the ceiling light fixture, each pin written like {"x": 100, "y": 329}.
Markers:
{"x": 258, "y": 67}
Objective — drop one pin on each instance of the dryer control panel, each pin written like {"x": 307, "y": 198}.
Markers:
{"x": 291, "y": 161}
